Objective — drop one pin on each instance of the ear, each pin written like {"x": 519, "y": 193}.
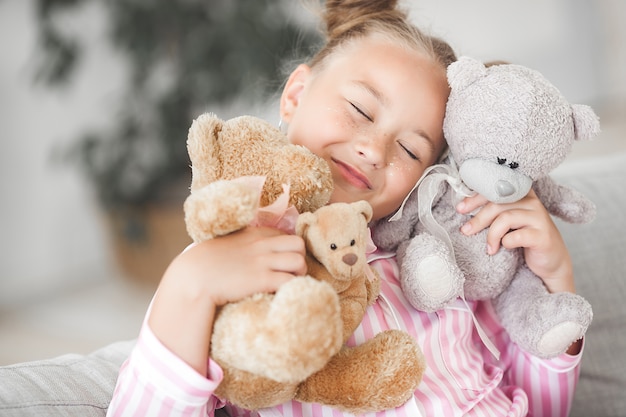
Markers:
{"x": 305, "y": 220}
{"x": 464, "y": 72}
{"x": 364, "y": 208}
{"x": 586, "y": 122}
{"x": 291, "y": 93}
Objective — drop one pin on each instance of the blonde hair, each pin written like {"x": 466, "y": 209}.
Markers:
{"x": 348, "y": 20}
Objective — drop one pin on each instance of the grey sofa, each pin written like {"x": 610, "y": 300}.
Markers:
{"x": 75, "y": 385}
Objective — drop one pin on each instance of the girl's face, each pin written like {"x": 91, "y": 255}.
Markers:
{"x": 374, "y": 112}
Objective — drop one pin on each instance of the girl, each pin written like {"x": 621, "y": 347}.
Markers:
{"x": 371, "y": 103}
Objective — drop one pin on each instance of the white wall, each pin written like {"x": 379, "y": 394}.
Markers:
{"x": 50, "y": 230}
{"x": 578, "y": 44}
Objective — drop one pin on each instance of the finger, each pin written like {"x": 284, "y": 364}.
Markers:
{"x": 287, "y": 243}
{"x": 520, "y": 238}
{"x": 469, "y": 204}
{"x": 511, "y": 225}
{"x": 271, "y": 282}
{"x": 483, "y": 218}
{"x": 288, "y": 262}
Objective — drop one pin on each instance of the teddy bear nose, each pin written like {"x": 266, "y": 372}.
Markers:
{"x": 350, "y": 259}
{"x": 504, "y": 188}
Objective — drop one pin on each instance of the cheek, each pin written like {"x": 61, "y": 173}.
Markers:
{"x": 403, "y": 174}
{"x": 315, "y": 133}
{"x": 401, "y": 177}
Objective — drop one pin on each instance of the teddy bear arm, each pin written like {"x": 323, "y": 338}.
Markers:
{"x": 564, "y": 202}
{"x": 208, "y": 213}
{"x": 353, "y": 303}
{"x": 372, "y": 285}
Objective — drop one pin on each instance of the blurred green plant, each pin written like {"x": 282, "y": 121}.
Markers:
{"x": 183, "y": 55}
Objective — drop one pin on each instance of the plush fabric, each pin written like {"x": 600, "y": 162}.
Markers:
{"x": 507, "y": 127}
{"x": 80, "y": 386}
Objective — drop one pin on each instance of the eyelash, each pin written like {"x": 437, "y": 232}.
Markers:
{"x": 411, "y": 154}
{"x": 361, "y": 112}
{"x": 404, "y": 148}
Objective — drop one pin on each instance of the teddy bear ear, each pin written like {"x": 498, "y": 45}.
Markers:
{"x": 464, "y": 72}
{"x": 364, "y": 208}
{"x": 305, "y": 220}
{"x": 586, "y": 122}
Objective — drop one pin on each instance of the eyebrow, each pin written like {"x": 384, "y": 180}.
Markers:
{"x": 384, "y": 102}
{"x": 426, "y": 136}
{"x": 372, "y": 91}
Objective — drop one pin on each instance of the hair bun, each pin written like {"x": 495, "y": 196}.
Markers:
{"x": 341, "y": 16}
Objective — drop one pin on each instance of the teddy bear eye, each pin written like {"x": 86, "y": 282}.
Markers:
{"x": 501, "y": 161}
{"x": 333, "y": 246}
{"x": 352, "y": 242}
{"x": 513, "y": 165}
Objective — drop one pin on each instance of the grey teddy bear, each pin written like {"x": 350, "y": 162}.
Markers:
{"x": 507, "y": 127}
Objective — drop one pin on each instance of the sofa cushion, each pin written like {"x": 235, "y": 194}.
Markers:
{"x": 69, "y": 385}
{"x": 66, "y": 386}
{"x": 598, "y": 251}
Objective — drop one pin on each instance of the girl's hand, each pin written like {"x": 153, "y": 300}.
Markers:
{"x": 523, "y": 224}
{"x": 252, "y": 260}
{"x": 213, "y": 273}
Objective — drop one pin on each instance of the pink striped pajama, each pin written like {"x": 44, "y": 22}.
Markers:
{"x": 462, "y": 378}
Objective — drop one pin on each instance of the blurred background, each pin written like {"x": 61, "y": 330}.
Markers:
{"x": 97, "y": 97}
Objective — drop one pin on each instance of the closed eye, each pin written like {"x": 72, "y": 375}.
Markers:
{"x": 409, "y": 152}
{"x": 361, "y": 112}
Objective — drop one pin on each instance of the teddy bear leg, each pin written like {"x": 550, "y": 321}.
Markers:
{"x": 429, "y": 275}
{"x": 285, "y": 337}
{"x": 541, "y": 323}
{"x": 251, "y": 391}
{"x": 380, "y": 374}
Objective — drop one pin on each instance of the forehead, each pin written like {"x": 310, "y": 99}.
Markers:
{"x": 376, "y": 60}
{"x": 405, "y": 81}
{"x": 376, "y": 45}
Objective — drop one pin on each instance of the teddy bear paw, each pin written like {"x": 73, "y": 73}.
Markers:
{"x": 209, "y": 214}
{"x": 432, "y": 283}
{"x": 558, "y": 338}
{"x": 286, "y": 336}
{"x": 305, "y": 321}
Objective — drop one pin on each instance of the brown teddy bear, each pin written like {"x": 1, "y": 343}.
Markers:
{"x": 277, "y": 347}
{"x": 221, "y": 151}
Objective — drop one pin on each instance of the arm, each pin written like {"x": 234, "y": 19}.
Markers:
{"x": 179, "y": 324}
{"x": 153, "y": 379}
{"x": 525, "y": 224}
{"x": 211, "y": 274}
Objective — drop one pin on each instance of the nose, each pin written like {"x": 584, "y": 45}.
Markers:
{"x": 504, "y": 188}
{"x": 373, "y": 150}
{"x": 350, "y": 259}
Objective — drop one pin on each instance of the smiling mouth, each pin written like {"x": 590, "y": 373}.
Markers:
{"x": 352, "y": 176}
